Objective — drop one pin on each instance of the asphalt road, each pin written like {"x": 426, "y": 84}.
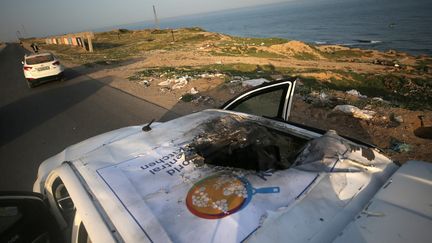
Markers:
{"x": 38, "y": 123}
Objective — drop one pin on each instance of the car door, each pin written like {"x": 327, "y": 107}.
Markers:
{"x": 272, "y": 100}
{"x": 24, "y": 217}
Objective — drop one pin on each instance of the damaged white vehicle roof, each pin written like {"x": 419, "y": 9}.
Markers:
{"x": 158, "y": 186}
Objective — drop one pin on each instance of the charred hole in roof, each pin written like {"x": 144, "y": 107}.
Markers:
{"x": 234, "y": 142}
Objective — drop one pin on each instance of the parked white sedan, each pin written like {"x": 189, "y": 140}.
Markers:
{"x": 41, "y": 67}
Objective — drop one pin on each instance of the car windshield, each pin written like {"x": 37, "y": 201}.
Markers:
{"x": 39, "y": 59}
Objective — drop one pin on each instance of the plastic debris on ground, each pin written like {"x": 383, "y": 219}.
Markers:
{"x": 145, "y": 83}
{"x": 165, "y": 83}
{"x": 323, "y": 96}
{"x": 236, "y": 79}
{"x": 179, "y": 82}
{"x": 355, "y": 93}
{"x": 211, "y": 75}
{"x": 355, "y": 111}
{"x": 254, "y": 82}
{"x": 399, "y": 146}
{"x": 207, "y": 100}
{"x": 320, "y": 99}
{"x": 379, "y": 99}
{"x": 396, "y": 118}
{"x": 193, "y": 91}
{"x": 164, "y": 89}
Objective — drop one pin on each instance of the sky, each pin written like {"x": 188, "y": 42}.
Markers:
{"x": 49, "y": 17}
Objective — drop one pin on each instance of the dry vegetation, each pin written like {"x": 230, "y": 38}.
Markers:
{"x": 144, "y": 58}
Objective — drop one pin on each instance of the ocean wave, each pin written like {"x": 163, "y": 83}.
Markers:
{"x": 320, "y": 42}
{"x": 362, "y": 41}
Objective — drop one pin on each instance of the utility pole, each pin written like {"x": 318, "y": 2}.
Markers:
{"x": 155, "y": 18}
{"x": 24, "y": 30}
{"x": 18, "y": 35}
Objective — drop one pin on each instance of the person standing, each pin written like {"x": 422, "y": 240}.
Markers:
{"x": 34, "y": 47}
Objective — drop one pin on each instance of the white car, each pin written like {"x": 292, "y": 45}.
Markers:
{"x": 41, "y": 67}
{"x": 223, "y": 176}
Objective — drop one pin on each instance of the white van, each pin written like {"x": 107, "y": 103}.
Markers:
{"x": 223, "y": 176}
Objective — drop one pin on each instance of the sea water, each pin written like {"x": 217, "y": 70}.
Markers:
{"x": 404, "y": 25}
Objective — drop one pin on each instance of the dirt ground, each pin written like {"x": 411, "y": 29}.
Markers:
{"x": 381, "y": 130}
{"x": 391, "y": 128}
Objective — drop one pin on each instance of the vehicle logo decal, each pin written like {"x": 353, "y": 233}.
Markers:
{"x": 221, "y": 195}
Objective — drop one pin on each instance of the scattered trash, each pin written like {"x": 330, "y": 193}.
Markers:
{"x": 254, "y": 82}
{"x": 236, "y": 79}
{"x": 165, "y": 83}
{"x": 395, "y": 118}
{"x": 164, "y": 89}
{"x": 193, "y": 91}
{"x": 180, "y": 82}
{"x": 145, "y": 83}
{"x": 378, "y": 99}
{"x": 210, "y": 75}
{"x": 399, "y": 146}
{"x": 355, "y": 93}
{"x": 207, "y": 100}
{"x": 355, "y": 111}
{"x": 323, "y": 97}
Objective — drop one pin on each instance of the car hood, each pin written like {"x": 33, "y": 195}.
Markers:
{"x": 151, "y": 184}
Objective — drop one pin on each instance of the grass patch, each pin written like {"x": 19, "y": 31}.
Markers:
{"x": 423, "y": 65}
{"x": 343, "y": 54}
{"x": 403, "y": 92}
{"x": 120, "y": 45}
{"x": 187, "y": 97}
{"x": 229, "y": 70}
{"x": 255, "y": 41}
{"x": 305, "y": 56}
{"x": 245, "y": 51}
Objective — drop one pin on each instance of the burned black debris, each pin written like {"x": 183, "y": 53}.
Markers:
{"x": 233, "y": 142}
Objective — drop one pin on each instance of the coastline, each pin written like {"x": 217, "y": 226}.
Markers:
{"x": 201, "y": 69}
